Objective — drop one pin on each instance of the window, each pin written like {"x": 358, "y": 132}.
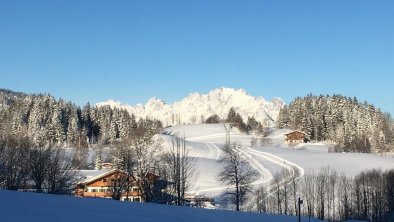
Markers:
{"x": 135, "y": 189}
{"x": 136, "y": 199}
{"x": 94, "y": 190}
{"x": 102, "y": 190}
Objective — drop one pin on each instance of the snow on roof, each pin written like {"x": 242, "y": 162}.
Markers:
{"x": 90, "y": 175}
{"x": 294, "y": 132}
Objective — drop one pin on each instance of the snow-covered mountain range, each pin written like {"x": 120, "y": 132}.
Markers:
{"x": 197, "y": 107}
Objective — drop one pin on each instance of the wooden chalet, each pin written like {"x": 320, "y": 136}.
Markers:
{"x": 112, "y": 183}
{"x": 296, "y": 137}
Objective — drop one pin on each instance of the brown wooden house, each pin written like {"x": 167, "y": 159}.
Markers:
{"x": 113, "y": 184}
{"x": 296, "y": 137}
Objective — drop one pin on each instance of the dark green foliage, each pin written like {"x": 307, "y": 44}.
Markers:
{"x": 235, "y": 120}
{"x": 213, "y": 119}
{"x": 7, "y": 97}
{"x": 353, "y": 125}
{"x": 55, "y": 123}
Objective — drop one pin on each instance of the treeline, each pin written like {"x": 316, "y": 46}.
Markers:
{"x": 354, "y": 126}
{"x": 55, "y": 123}
{"x": 235, "y": 120}
{"x": 8, "y": 96}
{"x": 163, "y": 174}
{"x": 330, "y": 196}
{"x": 36, "y": 130}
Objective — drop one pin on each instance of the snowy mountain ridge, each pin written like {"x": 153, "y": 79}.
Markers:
{"x": 197, "y": 107}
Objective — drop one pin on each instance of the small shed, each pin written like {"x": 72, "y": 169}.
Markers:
{"x": 296, "y": 137}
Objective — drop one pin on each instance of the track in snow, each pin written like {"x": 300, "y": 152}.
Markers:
{"x": 294, "y": 170}
{"x": 288, "y": 165}
{"x": 214, "y": 152}
{"x": 217, "y": 135}
{"x": 212, "y": 147}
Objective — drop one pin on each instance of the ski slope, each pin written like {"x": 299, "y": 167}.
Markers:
{"x": 205, "y": 141}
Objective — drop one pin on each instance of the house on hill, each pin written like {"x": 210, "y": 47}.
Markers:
{"x": 113, "y": 183}
{"x": 296, "y": 137}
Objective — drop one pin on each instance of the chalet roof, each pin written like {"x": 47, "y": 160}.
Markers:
{"x": 88, "y": 176}
{"x": 84, "y": 175}
{"x": 295, "y": 131}
{"x": 92, "y": 175}
{"x": 99, "y": 174}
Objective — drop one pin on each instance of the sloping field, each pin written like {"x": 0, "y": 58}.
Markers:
{"x": 34, "y": 207}
{"x": 205, "y": 141}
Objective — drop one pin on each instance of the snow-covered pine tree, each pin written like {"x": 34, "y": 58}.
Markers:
{"x": 231, "y": 116}
{"x": 73, "y": 127}
{"x": 124, "y": 124}
{"x": 99, "y": 159}
{"x": 355, "y": 126}
{"x": 47, "y": 122}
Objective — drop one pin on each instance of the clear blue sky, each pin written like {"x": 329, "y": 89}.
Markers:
{"x": 83, "y": 50}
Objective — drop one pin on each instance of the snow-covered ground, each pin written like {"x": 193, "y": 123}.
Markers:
{"x": 315, "y": 157}
{"x": 34, "y": 207}
{"x": 205, "y": 141}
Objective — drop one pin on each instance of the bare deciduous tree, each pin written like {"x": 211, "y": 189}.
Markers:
{"x": 50, "y": 170}
{"x": 61, "y": 173}
{"x": 138, "y": 155}
{"x": 39, "y": 162}
{"x": 14, "y": 152}
{"x": 236, "y": 173}
{"x": 262, "y": 199}
{"x": 181, "y": 168}
{"x": 120, "y": 184}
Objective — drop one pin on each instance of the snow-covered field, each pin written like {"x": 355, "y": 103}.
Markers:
{"x": 205, "y": 141}
{"x": 34, "y": 207}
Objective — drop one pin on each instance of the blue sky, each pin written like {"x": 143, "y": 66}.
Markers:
{"x": 84, "y": 50}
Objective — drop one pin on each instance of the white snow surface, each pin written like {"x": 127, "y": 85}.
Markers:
{"x": 34, "y": 207}
{"x": 84, "y": 175}
{"x": 196, "y": 107}
{"x": 205, "y": 142}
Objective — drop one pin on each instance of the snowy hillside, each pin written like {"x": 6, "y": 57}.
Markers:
{"x": 197, "y": 107}
{"x": 33, "y": 207}
{"x": 205, "y": 142}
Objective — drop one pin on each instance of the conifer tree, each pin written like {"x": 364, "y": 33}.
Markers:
{"x": 98, "y": 161}
{"x": 353, "y": 125}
